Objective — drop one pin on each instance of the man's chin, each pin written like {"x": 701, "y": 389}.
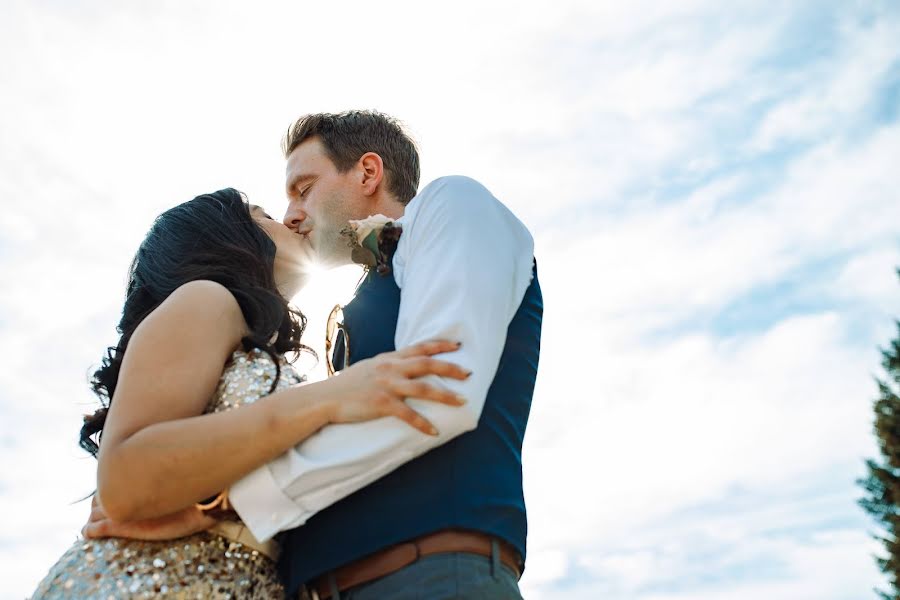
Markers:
{"x": 331, "y": 258}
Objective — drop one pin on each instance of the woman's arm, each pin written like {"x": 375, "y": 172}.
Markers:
{"x": 158, "y": 455}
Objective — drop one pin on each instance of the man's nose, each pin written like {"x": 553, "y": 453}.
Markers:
{"x": 294, "y": 217}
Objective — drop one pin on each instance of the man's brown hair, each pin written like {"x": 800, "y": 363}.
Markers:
{"x": 348, "y": 135}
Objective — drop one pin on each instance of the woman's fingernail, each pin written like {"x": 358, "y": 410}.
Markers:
{"x": 468, "y": 374}
{"x": 432, "y": 430}
{"x": 461, "y": 399}
{"x": 459, "y": 344}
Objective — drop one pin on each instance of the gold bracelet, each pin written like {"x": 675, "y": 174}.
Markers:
{"x": 220, "y": 502}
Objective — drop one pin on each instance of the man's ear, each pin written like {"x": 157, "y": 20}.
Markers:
{"x": 372, "y": 172}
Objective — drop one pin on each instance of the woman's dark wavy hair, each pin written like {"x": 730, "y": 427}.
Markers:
{"x": 211, "y": 237}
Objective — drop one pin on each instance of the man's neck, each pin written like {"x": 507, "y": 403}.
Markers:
{"x": 389, "y": 207}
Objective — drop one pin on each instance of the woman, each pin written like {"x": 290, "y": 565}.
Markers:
{"x": 204, "y": 329}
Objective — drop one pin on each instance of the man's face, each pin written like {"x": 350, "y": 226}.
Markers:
{"x": 321, "y": 201}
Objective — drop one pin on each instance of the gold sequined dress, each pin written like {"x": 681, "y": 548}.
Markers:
{"x": 203, "y": 565}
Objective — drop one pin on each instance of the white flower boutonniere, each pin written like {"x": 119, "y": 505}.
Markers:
{"x": 373, "y": 240}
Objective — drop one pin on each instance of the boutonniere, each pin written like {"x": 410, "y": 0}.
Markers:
{"x": 373, "y": 241}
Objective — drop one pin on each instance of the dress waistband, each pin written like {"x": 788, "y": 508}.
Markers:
{"x": 238, "y": 532}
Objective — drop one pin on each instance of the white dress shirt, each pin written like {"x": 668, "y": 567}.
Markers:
{"x": 463, "y": 264}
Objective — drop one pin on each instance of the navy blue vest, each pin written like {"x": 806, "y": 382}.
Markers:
{"x": 472, "y": 482}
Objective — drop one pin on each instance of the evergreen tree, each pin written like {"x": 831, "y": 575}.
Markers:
{"x": 882, "y": 486}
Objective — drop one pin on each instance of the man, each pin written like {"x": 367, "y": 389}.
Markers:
{"x": 377, "y": 509}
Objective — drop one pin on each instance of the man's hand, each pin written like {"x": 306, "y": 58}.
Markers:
{"x": 179, "y": 524}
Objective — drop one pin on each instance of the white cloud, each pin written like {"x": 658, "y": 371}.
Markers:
{"x": 832, "y": 95}
{"x": 867, "y": 277}
{"x": 833, "y": 565}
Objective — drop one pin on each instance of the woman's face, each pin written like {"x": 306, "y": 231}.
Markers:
{"x": 293, "y": 253}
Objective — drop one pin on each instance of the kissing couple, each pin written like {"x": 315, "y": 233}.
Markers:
{"x": 222, "y": 473}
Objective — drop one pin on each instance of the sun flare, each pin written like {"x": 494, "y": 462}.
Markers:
{"x": 325, "y": 288}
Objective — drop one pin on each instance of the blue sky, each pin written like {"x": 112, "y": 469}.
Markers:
{"x": 714, "y": 194}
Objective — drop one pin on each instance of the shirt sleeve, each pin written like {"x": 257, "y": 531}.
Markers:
{"x": 463, "y": 264}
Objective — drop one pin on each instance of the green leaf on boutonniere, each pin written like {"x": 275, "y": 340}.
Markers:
{"x": 371, "y": 243}
{"x": 363, "y": 256}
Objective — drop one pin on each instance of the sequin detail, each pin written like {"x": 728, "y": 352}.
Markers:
{"x": 248, "y": 377}
{"x": 202, "y": 565}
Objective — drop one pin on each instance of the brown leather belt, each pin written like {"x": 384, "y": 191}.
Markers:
{"x": 393, "y": 559}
